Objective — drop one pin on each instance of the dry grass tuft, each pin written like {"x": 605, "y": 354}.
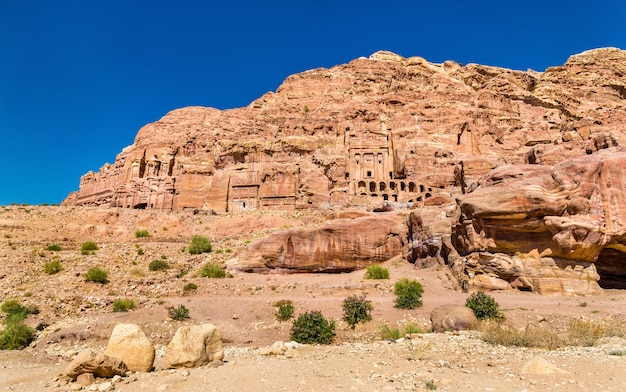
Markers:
{"x": 577, "y": 333}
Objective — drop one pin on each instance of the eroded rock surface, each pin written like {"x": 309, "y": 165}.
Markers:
{"x": 547, "y": 229}
{"x": 340, "y": 246}
{"x": 381, "y": 129}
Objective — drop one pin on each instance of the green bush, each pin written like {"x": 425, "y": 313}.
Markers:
{"x": 140, "y": 251}
{"x": 52, "y": 267}
{"x": 13, "y": 308}
{"x": 16, "y": 335}
{"x": 179, "y": 313}
{"x": 96, "y": 274}
{"x": 123, "y": 305}
{"x": 408, "y": 294}
{"x": 88, "y": 247}
{"x": 376, "y": 272}
{"x": 199, "y": 244}
{"x": 386, "y": 332}
{"x": 142, "y": 234}
{"x": 356, "y": 310}
{"x": 312, "y": 327}
{"x": 212, "y": 270}
{"x": 484, "y": 306}
{"x": 54, "y": 248}
{"x": 284, "y": 310}
{"x": 191, "y": 286}
{"x": 158, "y": 265}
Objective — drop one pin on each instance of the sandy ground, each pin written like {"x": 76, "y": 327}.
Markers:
{"x": 79, "y": 316}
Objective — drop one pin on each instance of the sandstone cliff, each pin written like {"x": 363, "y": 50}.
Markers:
{"x": 382, "y": 129}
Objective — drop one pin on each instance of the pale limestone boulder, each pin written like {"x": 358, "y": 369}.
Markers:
{"x": 101, "y": 365}
{"x": 193, "y": 346}
{"x": 453, "y": 318}
{"x": 131, "y": 345}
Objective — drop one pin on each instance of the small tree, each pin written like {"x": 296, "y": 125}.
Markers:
{"x": 484, "y": 306}
{"x": 408, "y": 294}
{"x": 312, "y": 327}
{"x": 356, "y": 310}
{"x": 199, "y": 244}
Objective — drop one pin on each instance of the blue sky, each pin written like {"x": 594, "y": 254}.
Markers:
{"x": 79, "y": 78}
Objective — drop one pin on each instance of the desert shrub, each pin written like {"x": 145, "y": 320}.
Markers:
{"x": 52, "y": 267}
{"x": 142, "y": 234}
{"x": 376, "y": 272}
{"x": 191, "y": 286}
{"x": 96, "y": 274}
{"x": 312, "y": 327}
{"x": 140, "y": 251}
{"x": 408, "y": 294}
{"x": 430, "y": 385}
{"x": 199, "y": 244}
{"x": 284, "y": 310}
{"x": 158, "y": 265}
{"x": 179, "y": 313}
{"x": 54, "y": 248}
{"x": 386, "y": 332}
{"x": 88, "y": 247}
{"x": 356, "y": 310}
{"x": 16, "y": 335}
{"x": 13, "y": 307}
{"x": 212, "y": 270}
{"x": 123, "y": 305}
{"x": 484, "y": 306}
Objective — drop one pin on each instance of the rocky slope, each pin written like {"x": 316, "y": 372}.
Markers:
{"x": 532, "y": 159}
{"x": 381, "y": 129}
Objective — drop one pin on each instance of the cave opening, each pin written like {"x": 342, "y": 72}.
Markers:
{"x": 611, "y": 268}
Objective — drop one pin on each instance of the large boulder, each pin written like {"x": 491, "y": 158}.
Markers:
{"x": 131, "y": 345}
{"x": 547, "y": 229}
{"x": 340, "y": 246}
{"x": 194, "y": 346}
{"x": 453, "y": 318}
{"x": 99, "y": 364}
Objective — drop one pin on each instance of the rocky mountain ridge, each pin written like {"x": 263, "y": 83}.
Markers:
{"x": 382, "y": 129}
{"x": 510, "y": 178}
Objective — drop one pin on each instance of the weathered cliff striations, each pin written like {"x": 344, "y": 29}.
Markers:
{"x": 385, "y": 128}
{"x": 547, "y": 229}
{"x": 341, "y": 246}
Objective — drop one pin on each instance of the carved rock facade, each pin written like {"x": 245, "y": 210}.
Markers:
{"x": 383, "y": 129}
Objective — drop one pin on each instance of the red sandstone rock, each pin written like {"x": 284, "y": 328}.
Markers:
{"x": 387, "y": 128}
{"x": 546, "y": 229}
{"x": 342, "y": 245}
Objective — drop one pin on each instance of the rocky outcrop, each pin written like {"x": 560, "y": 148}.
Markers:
{"x": 132, "y": 346}
{"x": 340, "y": 246}
{"x": 547, "y": 229}
{"x": 383, "y": 129}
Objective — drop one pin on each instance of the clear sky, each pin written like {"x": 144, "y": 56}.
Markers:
{"x": 79, "y": 78}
